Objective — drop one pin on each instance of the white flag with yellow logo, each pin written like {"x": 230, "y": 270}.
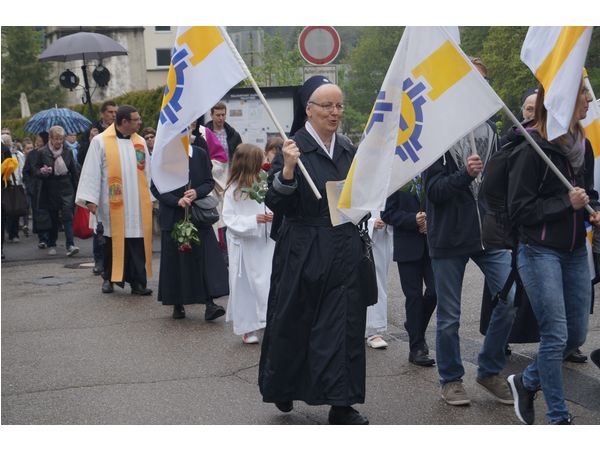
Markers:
{"x": 203, "y": 68}
{"x": 556, "y": 56}
{"x": 591, "y": 125}
{"x": 431, "y": 97}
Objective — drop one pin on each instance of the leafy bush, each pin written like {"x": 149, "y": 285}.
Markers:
{"x": 146, "y": 102}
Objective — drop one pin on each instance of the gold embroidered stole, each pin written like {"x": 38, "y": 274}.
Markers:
{"x": 115, "y": 201}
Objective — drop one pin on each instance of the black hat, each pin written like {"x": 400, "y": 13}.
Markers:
{"x": 301, "y": 97}
{"x": 527, "y": 93}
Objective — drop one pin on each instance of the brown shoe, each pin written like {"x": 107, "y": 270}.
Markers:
{"x": 498, "y": 387}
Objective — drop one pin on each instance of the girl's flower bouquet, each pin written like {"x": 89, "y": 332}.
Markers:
{"x": 258, "y": 190}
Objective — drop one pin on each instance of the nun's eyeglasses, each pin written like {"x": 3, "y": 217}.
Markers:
{"x": 329, "y": 106}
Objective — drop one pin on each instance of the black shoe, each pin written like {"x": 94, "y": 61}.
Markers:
{"x": 98, "y": 269}
{"x": 107, "y": 287}
{"x": 595, "y": 357}
{"x": 346, "y": 415}
{"x": 285, "y": 407}
{"x": 523, "y": 399}
{"x": 213, "y": 311}
{"x": 178, "y": 312}
{"x": 420, "y": 358}
{"x": 567, "y": 421}
{"x": 576, "y": 357}
{"x": 138, "y": 289}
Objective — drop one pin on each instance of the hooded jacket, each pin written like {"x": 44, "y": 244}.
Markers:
{"x": 454, "y": 209}
{"x": 538, "y": 202}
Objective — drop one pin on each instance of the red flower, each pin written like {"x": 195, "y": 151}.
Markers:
{"x": 185, "y": 248}
{"x": 266, "y": 166}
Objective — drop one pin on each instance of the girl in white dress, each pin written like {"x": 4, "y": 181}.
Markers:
{"x": 250, "y": 249}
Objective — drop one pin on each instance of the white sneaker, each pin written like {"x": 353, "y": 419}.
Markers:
{"x": 52, "y": 251}
{"x": 376, "y": 341}
{"x": 250, "y": 338}
{"x": 72, "y": 250}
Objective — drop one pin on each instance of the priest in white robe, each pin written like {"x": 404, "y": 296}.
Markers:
{"x": 114, "y": 185}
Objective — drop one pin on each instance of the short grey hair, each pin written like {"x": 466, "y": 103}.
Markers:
{"x": 7, "y": 140}
{"x": 56, "y": 130}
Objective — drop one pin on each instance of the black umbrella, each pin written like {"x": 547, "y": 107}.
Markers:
{"x": 83, "y": 45}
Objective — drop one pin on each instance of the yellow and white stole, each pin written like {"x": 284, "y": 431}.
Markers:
{"x": 115, "y": 201}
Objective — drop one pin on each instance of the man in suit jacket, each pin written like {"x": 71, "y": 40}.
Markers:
{"x": 403, "y": 211}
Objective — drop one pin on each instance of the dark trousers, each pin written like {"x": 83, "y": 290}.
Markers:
{"x": 419, "y": 305}
{"x": 98, "y": 249}
{"x": 134, "y": 266}
{"x": 12, "y": 225}
{"x": 67, "y": 222}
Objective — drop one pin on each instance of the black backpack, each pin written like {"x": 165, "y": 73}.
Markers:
{"x": 497, "y": 229}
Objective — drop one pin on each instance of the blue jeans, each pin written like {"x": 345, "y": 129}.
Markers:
{"x": 449, "y": 274}
{"x": 559, "y": 290}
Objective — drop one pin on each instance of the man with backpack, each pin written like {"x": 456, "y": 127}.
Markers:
{"x": 454, "y": 213}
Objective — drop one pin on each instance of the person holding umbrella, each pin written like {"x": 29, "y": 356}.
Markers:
{"x": 57, "y": 169}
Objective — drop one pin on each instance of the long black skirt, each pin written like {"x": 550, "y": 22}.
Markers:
{"x": 313, "y": 347}
{"x": 195, "y": 277}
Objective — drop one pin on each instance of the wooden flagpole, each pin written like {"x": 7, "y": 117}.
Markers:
{"x": 267, "y": 107}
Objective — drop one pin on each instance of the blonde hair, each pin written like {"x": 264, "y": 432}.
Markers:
{"x": 245, "y": 167}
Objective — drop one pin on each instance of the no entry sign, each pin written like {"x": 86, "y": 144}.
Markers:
{"x": 319, "y": 45}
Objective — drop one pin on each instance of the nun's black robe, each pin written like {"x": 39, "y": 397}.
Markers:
{"x": 195, "y": 277}
{"x": 313, "y": 347}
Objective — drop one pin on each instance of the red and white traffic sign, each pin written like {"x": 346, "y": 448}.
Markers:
{"x": 319, "y": 45}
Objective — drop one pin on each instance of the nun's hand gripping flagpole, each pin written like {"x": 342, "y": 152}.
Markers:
{"x": 268, "y": 108}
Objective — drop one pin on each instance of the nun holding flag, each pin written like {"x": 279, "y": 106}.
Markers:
{"x": 313, "y": 347}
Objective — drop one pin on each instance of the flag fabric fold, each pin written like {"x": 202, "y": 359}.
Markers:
{"x": 203, "y": 69}
{"x": 556, "y": 56}
{"x": 431, "y": 97}
{"x": 591, "y": 126}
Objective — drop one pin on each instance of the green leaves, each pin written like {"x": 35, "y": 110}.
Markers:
{"x": 185, "y": 234}
{"x": 258, "y": 190}
{"x": 22, "y": 72}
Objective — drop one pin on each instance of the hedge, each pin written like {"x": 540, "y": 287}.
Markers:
{"x": 146, "y": 102}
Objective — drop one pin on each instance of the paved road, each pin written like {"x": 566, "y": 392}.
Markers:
{"x": 72, "y": 355}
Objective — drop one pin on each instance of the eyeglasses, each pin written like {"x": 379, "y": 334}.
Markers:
{"x": 329, "y": 106}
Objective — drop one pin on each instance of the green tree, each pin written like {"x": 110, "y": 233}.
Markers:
{"x": 22, "y": 72}
{"x": 279, "y": 65}
{"x": 472, "y": 39}
{"x": 508, "y": 75}
{"x": 368, "y": 63}
{"x": 593, "y": 61}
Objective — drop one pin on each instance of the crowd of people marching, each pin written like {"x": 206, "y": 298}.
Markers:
{"x": 317, "y": 290}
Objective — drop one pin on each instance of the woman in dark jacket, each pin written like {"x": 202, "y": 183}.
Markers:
{"x": 552, "y": 255}
{"x": 313, "y": 348}
{"x": 58, "y": 170}
{"x": 200, "y": 275}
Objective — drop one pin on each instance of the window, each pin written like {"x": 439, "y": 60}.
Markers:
{"x": 162, "y": 28}
{"x": 163, "y": 57}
